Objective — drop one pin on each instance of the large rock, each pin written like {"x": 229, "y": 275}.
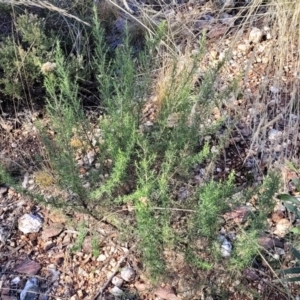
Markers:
{"x": 128, "y": 274}
{"x": 255, "y": 35}
{"x": 29, "y": 223}
{"x": 31, "y": 290}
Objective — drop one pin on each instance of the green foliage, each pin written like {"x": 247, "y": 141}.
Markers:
{"x": 291, "y": 203}
{"x": 67, "y": 117}
{"x": 154, "y": 160}
{"x": 95, "y": 246}
{"x": 196, "y": 261}
{"x": 211, "y": 205}
{"x": 22, "y": 56}
{"x": 80, "y": 238}
{"x": 150, "y": 233}
{"x": 5, "y": 177}
{"x": 265, "y": 202}
{"x": 245, "y": 250}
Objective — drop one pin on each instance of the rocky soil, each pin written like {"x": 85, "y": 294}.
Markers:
{"x": 40, "y": 256}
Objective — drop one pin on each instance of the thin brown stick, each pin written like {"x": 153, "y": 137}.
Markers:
{"x": 161, "y": 208}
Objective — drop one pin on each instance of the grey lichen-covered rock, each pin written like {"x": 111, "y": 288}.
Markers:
{"x": 128, "y": 274}
{"x": 31, "y": 290}
{"x": 116, "y": 291}
{"x": 226, "y": 246}
{"x": 29, "y": 223}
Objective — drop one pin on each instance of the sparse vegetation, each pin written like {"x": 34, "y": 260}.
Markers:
{"x": 163, "y": 121}
{"x": 80, "y": 239}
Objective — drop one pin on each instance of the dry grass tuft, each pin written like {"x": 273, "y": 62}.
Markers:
{"x": 43, "y": 179}
{"x": 45, "y": 5}
{"x": 280, "y": 85}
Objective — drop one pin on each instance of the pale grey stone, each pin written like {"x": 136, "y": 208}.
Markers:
{"x": 29, "y": 223}
{"x": 255, "y": 35}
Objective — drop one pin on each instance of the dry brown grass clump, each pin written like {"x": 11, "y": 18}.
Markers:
{"x": 44, "y": 179}
{"x": 279, "y": 83}
{"x": 45, "y": 5}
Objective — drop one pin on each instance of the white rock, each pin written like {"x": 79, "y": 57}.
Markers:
{"x": 113, "y": 262}
{"x": 117, "y": 281}
{"x": 101, "y": 257}
{"x": 222, "y": 56}
{"x": 274, "y": 90}
{"x": 243, "y": 47}
{"x": 116, "y": 291}
{"x": 30, "y": 223}
{"x": 25, "y": 180}
{"x": 16, "y": 280}
{"x": 274, "y": 134}
{"x": 128, "y": 274}
{"x": 214, "y": 149}
{"x": 87, "y": 185}
{"x": 226, "y": 246}
{"x": 91, "y": 157}
{"x": 214, "y": 54}
{"x": 228, "y": 3}
{"x": 255, "y": 35}
{"x": 4, "y": 234}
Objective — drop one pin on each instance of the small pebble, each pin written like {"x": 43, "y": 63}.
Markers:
{"x": 116, "y": 291}
{"x": 255, "y": 35}
{"x": 101, "y": 257}
{"x": 127, "y": 274}
{"x": 117, "y": 281}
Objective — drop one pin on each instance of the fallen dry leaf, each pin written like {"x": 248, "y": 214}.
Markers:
{"x": 29, "y": 267}
{"x": 142, "y": 287}
{"x": 238, "y": 215}
{"x": 217, "y": 31}
{"x": 277, "y": 216}
{"x": 52, "y": 231}
{"x": 282, "y": 227}
{"x": 268, "y": 242}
